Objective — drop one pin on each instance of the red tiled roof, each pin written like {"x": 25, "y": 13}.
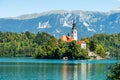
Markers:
{"x": 63, "y": 38}
{"x": 80, "y": 42}
{"x": 70, "y": 39}
{"x": 66, "y": 38}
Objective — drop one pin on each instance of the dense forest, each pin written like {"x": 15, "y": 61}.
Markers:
{"x": 110, "y": 43}
{"x": 40, "y": 45}
{"x": 43, "y": 45}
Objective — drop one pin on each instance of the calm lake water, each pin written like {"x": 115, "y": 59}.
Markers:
{"x": 39, "y": 69}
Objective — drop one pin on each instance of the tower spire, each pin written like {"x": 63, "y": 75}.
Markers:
{"x": 74, "y": 25}
{"x": 74, "y": 30}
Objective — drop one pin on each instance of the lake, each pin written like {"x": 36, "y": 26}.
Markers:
{"x": 43, "y": 69}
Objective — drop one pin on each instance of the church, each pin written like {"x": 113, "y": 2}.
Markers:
{"x": 73, "y": 36}
{"x": 70, "y": 36}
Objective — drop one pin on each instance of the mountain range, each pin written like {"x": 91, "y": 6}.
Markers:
{"x": 59, "y": 22}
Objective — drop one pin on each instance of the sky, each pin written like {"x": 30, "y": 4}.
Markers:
{"x": 13, "y": 8}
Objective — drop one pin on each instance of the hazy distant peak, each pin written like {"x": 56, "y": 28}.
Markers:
{"x": 59, "y": 22}
{"x": 62, "y": 12}
{"x": 35, "y": 15}
{"x": 117, "y": 9}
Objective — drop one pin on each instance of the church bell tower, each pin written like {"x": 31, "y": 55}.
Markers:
{"x": 74, "y": 31}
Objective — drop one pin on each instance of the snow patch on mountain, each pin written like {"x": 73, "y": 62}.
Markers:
{"x": 85, "y": 24}
{"x": 68, "y": 16}
{"x": 65, "y": 24}
{"x": 82, "y": 16}
{"x": 58, "y": 31}
{"x": 44, "y": 25}
{"x": 91, "y": 29}
{"x": 88, "y": 28}
{"x": 85, "y": 16}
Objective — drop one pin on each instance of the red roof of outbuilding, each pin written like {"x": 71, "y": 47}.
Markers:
{"x": 80, "y": 42}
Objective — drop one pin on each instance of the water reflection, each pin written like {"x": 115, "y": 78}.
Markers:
{"x": 64, "y": 72}
{"x": 76, "y": 72}
{"x": 83, "y": 71}
{"x": 89, "y": 72}
{"x": 52, "y": 71}
{"x": 75, "y": 75}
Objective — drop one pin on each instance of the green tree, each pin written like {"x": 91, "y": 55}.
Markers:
{"x": 114, "y": 73}
{"x": 100, "y": 50}
{"x": 83, "y": 54}
{"x": 75, "y": 52}
{"x": 41, "y": 38}
{"x": 71, "y": 50}
{"x": 92, "y": 45}
{"x": 39, "y": 52}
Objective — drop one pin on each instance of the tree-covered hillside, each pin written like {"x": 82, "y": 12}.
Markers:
{"x": 110, "y": 43}
{"x": 23, "y": 44}
{"x": 40, "y": 45}
{"x": 43, "y": 45}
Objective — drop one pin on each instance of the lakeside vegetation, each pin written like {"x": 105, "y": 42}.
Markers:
{"x": 114, "y": 72}
{"x": 43, "y": 45}
{"x": 110, "y": 43}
